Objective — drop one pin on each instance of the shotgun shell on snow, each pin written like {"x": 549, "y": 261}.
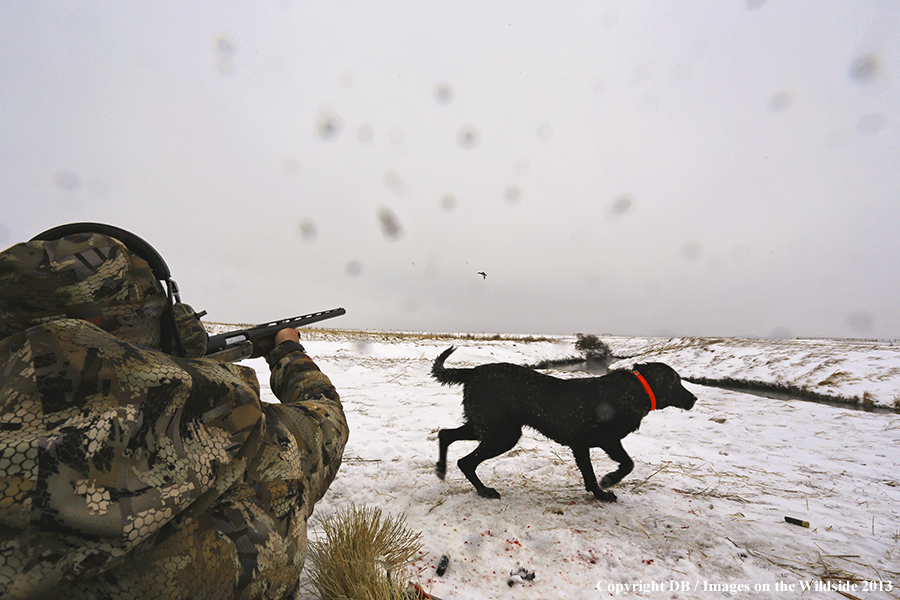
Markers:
{"x": 794, "y": 521}
{"x": 442, "y": 566}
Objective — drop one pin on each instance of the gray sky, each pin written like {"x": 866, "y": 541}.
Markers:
{"x": 637, "y": 168}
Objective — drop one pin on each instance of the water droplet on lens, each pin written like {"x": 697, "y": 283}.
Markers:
{"x": 780, "y": 102}
{"x": 605, "y": 412}
{"x": 393, "y": 181}
{"x": 692, "y": 250}
{"x": 225, "y": 47}
{"x": 308, "y": 230}
{"x": 860, "y": 321}
{"x": 467, "y": 137}
{"x": 224, "y": 56}
{"x": 443, "y": 93}
{"x": 781, "y": 333}
{"x": 622, "y": 204}
{"x": 390, "y": 225}
{"x": 328, "y": 126}
{"x": 864, "y": 69}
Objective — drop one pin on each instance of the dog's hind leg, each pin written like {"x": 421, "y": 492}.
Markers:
{"x": 494, "y": 444}
{"x": 583, "y": 460}
{"x": 447, "y": 437}
{"x": 616, "y": 452}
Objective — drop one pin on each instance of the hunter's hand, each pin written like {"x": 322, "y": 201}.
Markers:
{"x": 289, "y": 334}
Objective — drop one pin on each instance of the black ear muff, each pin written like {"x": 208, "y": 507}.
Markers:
{"x": 140, "y": 247}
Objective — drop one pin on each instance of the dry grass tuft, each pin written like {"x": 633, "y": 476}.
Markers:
{"x": 362, "y": 555}
{"x": 836, "y": 378}
{"x": 868, "y": 399}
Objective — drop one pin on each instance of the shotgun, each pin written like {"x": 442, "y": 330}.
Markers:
{"x": 233, "y": 346}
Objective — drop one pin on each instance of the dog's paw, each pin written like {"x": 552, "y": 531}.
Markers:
{"x": 440, "y": 470}
{"x": 604, "y": 496}
{"x": 489, "y": 493}
{"x": 609, "y": 480}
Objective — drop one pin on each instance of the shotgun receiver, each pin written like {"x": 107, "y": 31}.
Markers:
{"x": 233, "y": 346}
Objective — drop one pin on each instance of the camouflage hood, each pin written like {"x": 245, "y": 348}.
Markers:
{"x": 86, "y": 276}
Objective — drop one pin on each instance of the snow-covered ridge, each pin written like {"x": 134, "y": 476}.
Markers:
{"x": 866, "y": 373}
{"x": 857, "y": 372}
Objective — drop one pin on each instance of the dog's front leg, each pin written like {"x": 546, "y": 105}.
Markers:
{"x": 447, "y": 437}
{"x": 583, "y": 460}
{"x": 616, "y": 452}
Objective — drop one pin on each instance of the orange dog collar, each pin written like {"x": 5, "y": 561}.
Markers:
{"x": 647, "y": 389}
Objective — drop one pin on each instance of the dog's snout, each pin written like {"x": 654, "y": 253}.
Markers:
{"x": 690, "y": 399}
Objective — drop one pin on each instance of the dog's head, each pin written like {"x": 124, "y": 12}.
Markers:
{"x": 666, "y": 386}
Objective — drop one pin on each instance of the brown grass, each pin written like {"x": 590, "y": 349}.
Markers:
{"x": 362, "y": 555}
{"x": 836, "y": 378}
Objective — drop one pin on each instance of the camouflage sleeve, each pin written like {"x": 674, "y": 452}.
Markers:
{"x": 311, "y": 411}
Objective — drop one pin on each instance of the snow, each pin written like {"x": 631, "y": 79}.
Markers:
{"x": 702, "y": 514}
{"x": 862, "y": 372}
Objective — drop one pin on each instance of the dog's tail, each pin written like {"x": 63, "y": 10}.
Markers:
{"x": 448, "y": 376}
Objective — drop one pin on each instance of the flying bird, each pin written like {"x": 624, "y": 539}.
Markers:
{"x": 483, "y": 274}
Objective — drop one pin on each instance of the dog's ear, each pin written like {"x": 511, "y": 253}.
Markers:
{"x": 662, "y": 377}
{"x": 666, "y": 384}
{"x": 661, "y": 373}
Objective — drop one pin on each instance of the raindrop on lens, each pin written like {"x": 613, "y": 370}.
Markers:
{"x": 780, "y": 102}
{"x": 443, "y": 93}
{"x": 622, "y": 204}
{"x": 308, "y": 230}
{"x": 605, "y": 412}
{"x": 512, "y": 193}
{"x": 467, "y": 137}
{"x": 692, "y": 250}
{"x": 865, "y": 68}
{"x": 390, "y": 226}
{"x": 860, "y": 320}
{"x": 224, "y": 57}
{"x": 328, "y": 126}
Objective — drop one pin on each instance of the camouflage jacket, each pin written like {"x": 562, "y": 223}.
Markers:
{"x": 126, "y": 473}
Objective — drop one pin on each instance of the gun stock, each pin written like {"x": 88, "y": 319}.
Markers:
{"x": 253, "y": 342}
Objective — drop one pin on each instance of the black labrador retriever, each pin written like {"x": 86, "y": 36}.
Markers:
{"x": 582, "y": 413}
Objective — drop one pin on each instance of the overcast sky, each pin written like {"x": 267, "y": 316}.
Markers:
{"x": 729, "y": 167}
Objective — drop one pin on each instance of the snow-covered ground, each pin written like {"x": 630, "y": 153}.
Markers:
{"x": 701, "y": 516}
